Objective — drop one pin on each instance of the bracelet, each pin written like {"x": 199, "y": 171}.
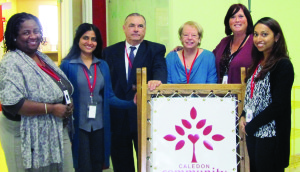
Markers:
{"x": 46, "y": 108}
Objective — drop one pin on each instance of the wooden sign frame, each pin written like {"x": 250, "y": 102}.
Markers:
{"x": 144, "y": 111}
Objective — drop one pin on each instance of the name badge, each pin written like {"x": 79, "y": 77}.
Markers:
{"x": 67, "y": 97}
{"x": 92, "y": 110}
{"x": 225, "y": 79}
{"x": 249, "y": 115}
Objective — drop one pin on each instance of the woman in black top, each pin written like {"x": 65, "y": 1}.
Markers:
{"x": 266, "y": 119}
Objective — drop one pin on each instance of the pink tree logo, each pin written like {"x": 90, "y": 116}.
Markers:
{"x": 194, "y": 138}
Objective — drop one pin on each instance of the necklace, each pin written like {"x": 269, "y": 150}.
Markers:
{"x": 190, "y": 71}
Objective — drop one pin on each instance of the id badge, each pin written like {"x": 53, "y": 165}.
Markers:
{"x": 249, "y": 115}
{"x": 92, "y": 110}
{"x": 67, "y": 97}
{"x": 225, "y": 79}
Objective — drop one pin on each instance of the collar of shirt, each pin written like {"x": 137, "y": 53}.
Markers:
{"x": 79, "y": 60}
{"x": 125, "y": 56}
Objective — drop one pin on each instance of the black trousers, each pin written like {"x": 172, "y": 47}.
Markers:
{"x": 262, "y": 154}
{"x": 91, "y": 151}
{"x": 122, "y": 148}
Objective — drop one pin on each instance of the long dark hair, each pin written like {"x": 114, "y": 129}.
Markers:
{"x": 75, "y": 49}
{"x": 13, "y": 27}
{"x": 233, "y": 9}
{"x": 278, "y": 52}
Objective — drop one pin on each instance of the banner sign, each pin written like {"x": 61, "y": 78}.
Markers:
{"x": 191, "y": 134}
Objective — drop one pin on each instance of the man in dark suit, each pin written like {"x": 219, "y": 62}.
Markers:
{"x": 123, "y": 75}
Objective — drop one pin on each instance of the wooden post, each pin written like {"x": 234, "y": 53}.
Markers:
{"x": 142, "y": 118}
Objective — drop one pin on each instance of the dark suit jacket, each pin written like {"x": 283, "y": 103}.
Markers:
{"x": 149, "y": 55}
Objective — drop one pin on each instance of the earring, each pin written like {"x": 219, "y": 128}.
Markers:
{"x": 15, "y": 39}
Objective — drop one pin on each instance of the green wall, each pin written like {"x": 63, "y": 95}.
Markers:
{"x": 164, "y": 17}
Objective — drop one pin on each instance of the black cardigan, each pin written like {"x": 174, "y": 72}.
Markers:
{"x": 281, "y": 81}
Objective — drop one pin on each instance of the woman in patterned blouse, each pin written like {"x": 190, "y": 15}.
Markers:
{"x": 34, "y": 95}
{"x": 266, "y": 119}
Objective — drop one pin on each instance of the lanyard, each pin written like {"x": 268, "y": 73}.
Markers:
{"x": 129, "y": 61}
{"x": 188, "y": 74}
{"x": 91, "y": 87}
{"x": 252, "y": 82}
{"x": 48, "y": 70}
{"x": 239, "y": 46}
{"x": 235, "y": 53}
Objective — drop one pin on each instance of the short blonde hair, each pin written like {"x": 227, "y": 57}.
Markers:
{"x": 193, "y": 24}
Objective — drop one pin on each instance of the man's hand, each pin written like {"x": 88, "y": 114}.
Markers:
{"x": 178, "y": 48}
{"x": 153, "y": 84}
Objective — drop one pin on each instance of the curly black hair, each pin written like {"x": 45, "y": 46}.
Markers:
{"x": 13, "y": 27}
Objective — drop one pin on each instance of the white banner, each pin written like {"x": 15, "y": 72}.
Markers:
{"x": 193, "y": 134}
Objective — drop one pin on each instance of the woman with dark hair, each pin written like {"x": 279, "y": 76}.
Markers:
{"x": 92, "y": 96}
{"x": 266, "y": 118}
{"x": 233, "y": 52}
{"x": 34, "y": 95}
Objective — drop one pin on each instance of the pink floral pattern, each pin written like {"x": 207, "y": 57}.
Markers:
{"x": 194, "y": 138}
